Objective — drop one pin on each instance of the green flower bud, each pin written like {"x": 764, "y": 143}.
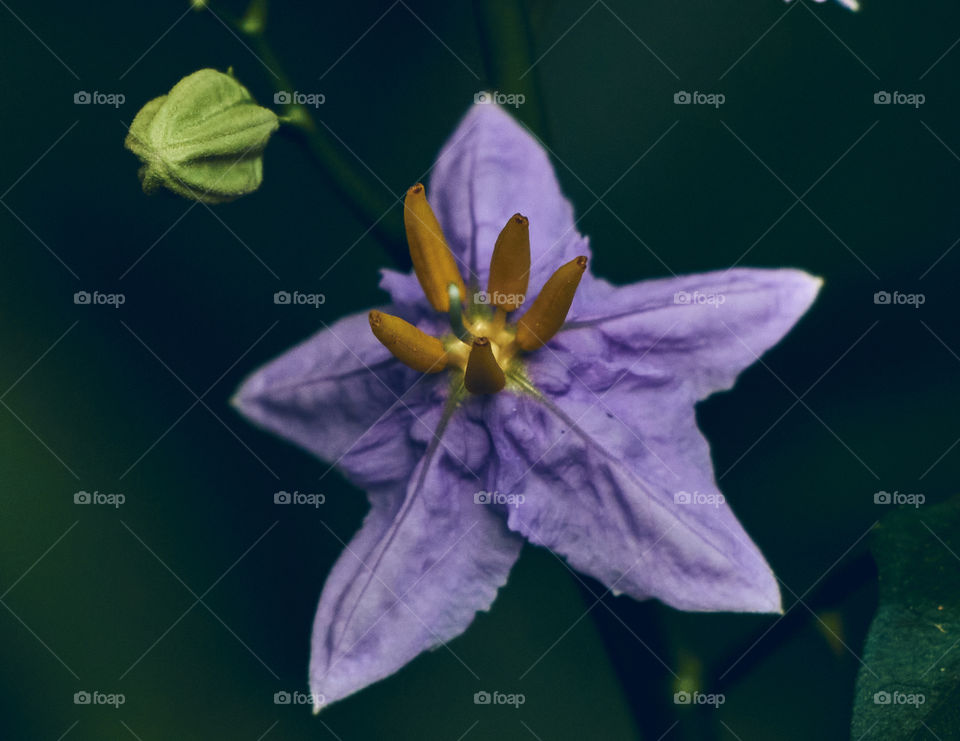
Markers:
{"x": 203, "y": 140}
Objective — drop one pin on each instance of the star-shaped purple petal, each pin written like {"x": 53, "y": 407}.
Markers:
{"x": 599, "y": 458}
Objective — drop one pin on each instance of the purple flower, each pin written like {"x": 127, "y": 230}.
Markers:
{"x": 581, "y": 437}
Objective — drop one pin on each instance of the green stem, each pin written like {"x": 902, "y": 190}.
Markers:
{"x": 855, "y": 573}
{"x": 369, "y": 199}
{"x": 506, "y": 43}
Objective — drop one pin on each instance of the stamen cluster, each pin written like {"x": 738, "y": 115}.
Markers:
{"x": 482, "y": 345}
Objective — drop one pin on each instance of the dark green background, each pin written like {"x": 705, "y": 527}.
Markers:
{"x": 199, "y": 298}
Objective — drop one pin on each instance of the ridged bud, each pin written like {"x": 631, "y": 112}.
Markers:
{"x": 203, "y": 140}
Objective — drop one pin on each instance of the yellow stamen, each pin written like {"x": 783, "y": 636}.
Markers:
{"x": 408, "y": 344}
{"x": 433, "y": 262}
{"x": 510, "y": 265}
{"x": 549, "y": 310}
{"x": 483, "y": 375}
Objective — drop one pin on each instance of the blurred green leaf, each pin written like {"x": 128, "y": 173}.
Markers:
{"x": 909, "y": 684}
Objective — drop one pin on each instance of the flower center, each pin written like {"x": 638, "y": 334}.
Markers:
{"x": 483, "y": 345}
